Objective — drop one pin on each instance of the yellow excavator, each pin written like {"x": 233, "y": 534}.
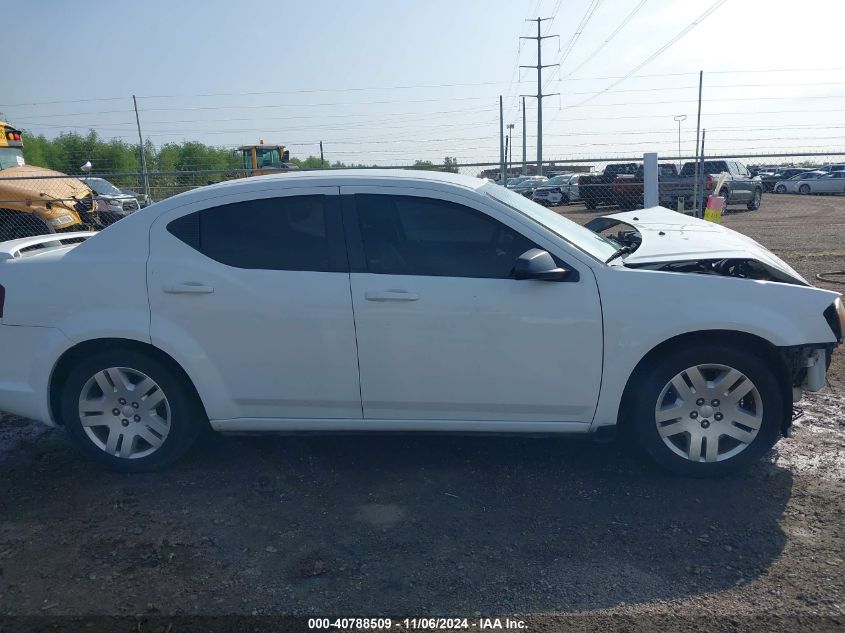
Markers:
{"x": 265, "y": 159}
{"x": 35, "y": 200}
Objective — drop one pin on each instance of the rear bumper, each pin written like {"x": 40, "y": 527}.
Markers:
{"x": 27, "y": 357}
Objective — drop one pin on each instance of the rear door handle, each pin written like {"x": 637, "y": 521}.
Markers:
{"x": 189, "y": 287}
{"x": 390, "y": 295}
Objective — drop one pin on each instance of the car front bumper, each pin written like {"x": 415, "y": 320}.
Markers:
{"x": 547, "y": 196}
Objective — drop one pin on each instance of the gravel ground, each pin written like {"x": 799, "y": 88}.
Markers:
{"x": 564, "y": 532}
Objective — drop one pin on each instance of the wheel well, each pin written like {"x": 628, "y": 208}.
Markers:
{"x": 750, "y": 342}
{"x": 86, "y": 348}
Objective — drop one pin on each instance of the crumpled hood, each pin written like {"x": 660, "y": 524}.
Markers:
{"x": 669, "y": 236}
{"x": 53, "y": 186}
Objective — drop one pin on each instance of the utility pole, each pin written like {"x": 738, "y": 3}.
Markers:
{"x": 502, "y": 178}
{"x": 143, "y": 153}
{"x": 697, "y": 131}
{"x": 510, "y": 146}
{"x": 507, "y": 164}
{"x": 322, "y": 163}
{"x": 679, "y": 118}
{"x": 539, "y": 96}
{"x": 523, "y": 138}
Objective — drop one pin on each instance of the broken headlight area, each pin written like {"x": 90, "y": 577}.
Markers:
{"x": 742, "y": 268}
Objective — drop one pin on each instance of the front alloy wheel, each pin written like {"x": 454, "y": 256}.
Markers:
{"x": 707, "y": 409}
{"x": 708, "y": 413}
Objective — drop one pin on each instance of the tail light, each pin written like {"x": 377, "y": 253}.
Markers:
{"x": 2, "y": 300}
{"x": 709, "y": 185}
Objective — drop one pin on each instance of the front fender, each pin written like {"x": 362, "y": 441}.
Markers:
{"x": 644, "y": 308}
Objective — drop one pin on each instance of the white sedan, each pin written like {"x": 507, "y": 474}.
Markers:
{"x": 791, "y": 185}
{"x": 830, "y": 182}
{"x": 407, "y": 301}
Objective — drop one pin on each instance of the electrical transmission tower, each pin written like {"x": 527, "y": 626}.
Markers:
{"x": 539, "y": 96}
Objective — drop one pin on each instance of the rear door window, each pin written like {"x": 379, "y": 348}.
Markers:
{"x": 285, "y": 233}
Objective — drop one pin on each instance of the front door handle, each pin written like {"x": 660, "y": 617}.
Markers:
{"x": 390, "y": 295}
{"x": 189, "y": 287}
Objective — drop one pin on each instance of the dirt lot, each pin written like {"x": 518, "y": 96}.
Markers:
{"x": 561, "y": 531}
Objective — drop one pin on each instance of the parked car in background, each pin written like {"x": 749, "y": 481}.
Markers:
{"x": 832, "y": 167}
{"x": 628, "y": 188}
{"x": 527, "y": 186}
{"x": 510, "y": 183}
{"x": 391, "y": 300}
{"x": 561, "y": 189}
{"x": 771, "y": 179}
{"x": 790, "y": 185}
{"x": 112, "y": 203}
{"x": 597, "y": 190}
{"x": 142, "y": 198}
{"x": 830, "y": 182}
{"x": 739, "y": 187}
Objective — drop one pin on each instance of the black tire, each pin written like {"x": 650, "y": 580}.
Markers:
{"x": 650, "y": 384}
{"x": 187, "y": 417}
{"x": 756, "y": 200}
{"x": 780, "y": 189}
{"x": 804, "y": 189}
{"x": 15, "y": 225}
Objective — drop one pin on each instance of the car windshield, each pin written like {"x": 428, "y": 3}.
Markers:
{"x": 513, "y": 181}
{"x": 102, "y": 187}
{"x": 558, "y": 180}
{"x": 11, "y": 157}
{"x": 591, "y": 243}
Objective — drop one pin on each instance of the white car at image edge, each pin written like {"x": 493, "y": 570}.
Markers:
{"x": 407, "y": 301}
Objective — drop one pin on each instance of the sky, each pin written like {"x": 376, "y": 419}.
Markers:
{"x": 391, "y": 82}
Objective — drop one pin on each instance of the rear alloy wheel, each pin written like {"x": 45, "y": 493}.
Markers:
{"x": 754, "y": 203}
{"x": 708, "y": 410}
{"x": 805, "y": 189}
{"x": 124, "y": 412}
{"x": 780, "y": 189}
{"x": 130, "y": 411}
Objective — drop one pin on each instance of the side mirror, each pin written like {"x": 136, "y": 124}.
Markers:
{"x": 538, "y": 264}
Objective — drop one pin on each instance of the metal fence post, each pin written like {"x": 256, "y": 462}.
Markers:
{"x": 650, "y": 184}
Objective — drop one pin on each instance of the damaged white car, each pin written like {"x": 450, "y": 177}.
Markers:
{"x": 407, "y": 301}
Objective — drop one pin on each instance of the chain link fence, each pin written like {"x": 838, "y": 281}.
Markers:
{"x": 35, "y": 202}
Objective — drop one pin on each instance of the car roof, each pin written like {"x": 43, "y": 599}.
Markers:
{"x": 359, "y": 177}
{"x": 330, "y": 178}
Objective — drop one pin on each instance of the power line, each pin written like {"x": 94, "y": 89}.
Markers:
{"x": 610, "y": 37}
{"x": 588, "y": 14}
{"x": 261, "y": 93}
{"x": 591, "y": 9}
{"x": 660, "y": 50}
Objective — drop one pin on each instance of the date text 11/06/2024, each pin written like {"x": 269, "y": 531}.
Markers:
{"x": 417, "y": 623}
